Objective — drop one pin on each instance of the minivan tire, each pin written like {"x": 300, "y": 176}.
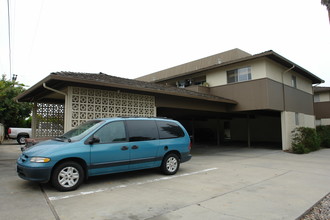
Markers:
{"x": 67, "y": 176}
{"x": 170, "y": 164}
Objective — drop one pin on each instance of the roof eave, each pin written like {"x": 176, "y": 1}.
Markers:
{"x": 114, "y": 85}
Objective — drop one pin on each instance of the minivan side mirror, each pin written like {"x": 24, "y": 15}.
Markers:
{"x": 94, "y": 140}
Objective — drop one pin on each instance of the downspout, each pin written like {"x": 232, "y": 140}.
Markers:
{"x": 283, "y": 90}
{"x": 54, "y": 90}
{"x": 59, "y": 92}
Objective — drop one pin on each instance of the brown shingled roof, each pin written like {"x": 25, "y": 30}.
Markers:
{"x": 211, "y": 62}
{"x": 60, "y": 80}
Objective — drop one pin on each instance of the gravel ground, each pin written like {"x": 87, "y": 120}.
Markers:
{"x": 320, "y": 211}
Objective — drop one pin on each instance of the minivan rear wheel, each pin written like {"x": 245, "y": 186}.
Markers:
{"x": 67, "y": 176}
{"x": 170, "y": 164}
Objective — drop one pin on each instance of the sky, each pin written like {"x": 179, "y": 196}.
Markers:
{"x": 130, "y": 38}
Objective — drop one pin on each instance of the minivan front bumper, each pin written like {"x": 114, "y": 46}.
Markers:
{"x": 37, "y": 174}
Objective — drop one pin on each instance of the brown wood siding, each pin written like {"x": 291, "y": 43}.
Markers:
{"x": 191, "y": 104}
{"x": 322, "y": 110}
{"x": 251, "y": 95}
{"x": 298, "y": 101}
{"x": 265, "y": 94}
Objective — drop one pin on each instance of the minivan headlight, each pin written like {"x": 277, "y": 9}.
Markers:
{"x": 39, "y": 159}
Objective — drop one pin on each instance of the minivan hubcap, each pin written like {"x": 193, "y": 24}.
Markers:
{"x": 68, "y": 177}
{"x": 171, "y": 164}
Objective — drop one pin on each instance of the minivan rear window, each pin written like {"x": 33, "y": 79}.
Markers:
{"x": 169, "y": 129}
{"x": 142, "y": 130}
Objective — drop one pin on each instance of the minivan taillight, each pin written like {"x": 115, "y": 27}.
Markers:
{"x": 9, "y": 131}
{"x": 190, "y": 146}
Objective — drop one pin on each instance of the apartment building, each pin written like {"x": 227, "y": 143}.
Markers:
{"x": 228, "y": 98}
{"x": 273, "y": 94}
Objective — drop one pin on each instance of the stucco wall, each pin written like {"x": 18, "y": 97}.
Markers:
{"x": 288, "y": 124}
{"x": 324, "y": 97}
{"x": 261, "y": 68}
{"x": 275, "y": 71}
{"x": 325, "y": 121}
{"x": 218, "y": 77}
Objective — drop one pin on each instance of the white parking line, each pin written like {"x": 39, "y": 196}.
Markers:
{"x": 53, "y": 198}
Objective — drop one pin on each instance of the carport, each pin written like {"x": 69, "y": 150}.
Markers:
{"x": 252, "y": 129}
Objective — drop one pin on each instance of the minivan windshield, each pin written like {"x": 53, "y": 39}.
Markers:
{"x": 76, "y": 134}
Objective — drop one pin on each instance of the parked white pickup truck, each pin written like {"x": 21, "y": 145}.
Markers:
{"x": 19, "y": 134}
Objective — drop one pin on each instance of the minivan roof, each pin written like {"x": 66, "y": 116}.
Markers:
{"x": 134, "y": 117}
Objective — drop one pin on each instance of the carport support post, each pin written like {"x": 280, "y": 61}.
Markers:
{"x": 248, "y": 130}
{"x": 193, "y": 130}
{"x": 34, "y": 119}
{"x": 218, "y": 132}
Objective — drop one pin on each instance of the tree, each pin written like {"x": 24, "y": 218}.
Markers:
{"x": 12, "y": 113}
{"x": 326, "y": 3}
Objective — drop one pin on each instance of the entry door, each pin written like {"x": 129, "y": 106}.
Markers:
{"x": 112, "y": 153}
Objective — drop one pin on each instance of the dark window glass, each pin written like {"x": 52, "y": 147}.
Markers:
{"x": 169, "y": 130}
{"x": 112, "y": 132}
{"x": 239, "y": 75}
{"x": 294, "y": 81}
{"x": 231, "y": 76}
{"x": 142, "y": 130}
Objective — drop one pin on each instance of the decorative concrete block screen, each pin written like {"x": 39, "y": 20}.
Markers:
{"x": 89, "y": 104}
{"x": 49, "y": 120}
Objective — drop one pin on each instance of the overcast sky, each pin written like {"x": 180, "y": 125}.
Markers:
{"x": 131, "y": 38}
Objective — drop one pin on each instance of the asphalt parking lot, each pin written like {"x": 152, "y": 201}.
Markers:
{"x": 218, "y": 183}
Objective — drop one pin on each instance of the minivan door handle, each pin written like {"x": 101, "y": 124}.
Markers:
{"x": 124, "y": 148}
{"x": 135, "y": 147}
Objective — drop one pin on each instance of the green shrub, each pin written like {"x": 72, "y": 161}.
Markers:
{"x": 324, "y": 134}
{"x": 305, "y": 140}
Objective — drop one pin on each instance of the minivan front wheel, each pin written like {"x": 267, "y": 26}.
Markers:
{"x": 67, "y": 176}
{"x": 170, "y": 164}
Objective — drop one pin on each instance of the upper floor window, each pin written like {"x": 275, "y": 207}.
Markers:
{"x": 296, "y": 118}
{"x": 316, "y": 97}
{"x": 294, "y": 81}
{"x": 239, "y": 75}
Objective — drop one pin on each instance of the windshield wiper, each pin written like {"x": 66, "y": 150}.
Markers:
{"x": 62, "y": 139}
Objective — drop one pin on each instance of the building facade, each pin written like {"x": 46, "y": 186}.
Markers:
{"x": 228, "y": 98}
{"x": 266, "y": 86}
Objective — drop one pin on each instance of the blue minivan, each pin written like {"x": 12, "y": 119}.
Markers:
{"x": 104, "y": 146}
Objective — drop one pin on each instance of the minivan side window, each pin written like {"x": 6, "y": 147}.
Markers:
{"x": 169, "y": 129}
{"x": 112, "y": 132}
{"x": 142, "y": 130}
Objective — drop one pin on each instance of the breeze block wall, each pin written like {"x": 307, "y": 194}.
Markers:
{"x": 83, "y": 104}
